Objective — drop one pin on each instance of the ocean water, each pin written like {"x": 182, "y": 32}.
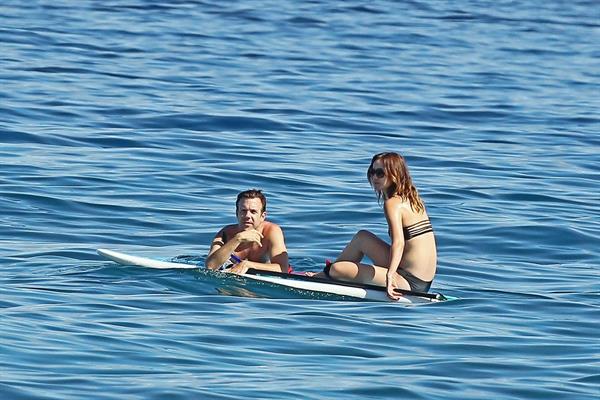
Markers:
{"x": 133, "y": 124}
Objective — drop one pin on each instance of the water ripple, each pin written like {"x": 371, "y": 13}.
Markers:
{"x": 134, "y": 125}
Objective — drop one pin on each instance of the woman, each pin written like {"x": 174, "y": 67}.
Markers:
{"x": 410, "y": 261}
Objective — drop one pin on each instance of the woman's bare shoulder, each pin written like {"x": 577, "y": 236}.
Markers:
{"x": 395, "y": 203}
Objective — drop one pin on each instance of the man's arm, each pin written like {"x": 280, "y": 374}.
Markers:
{"x": 278, "y": 252}
{"x": 278, "y": 256}
{"x": 219, "y": 251}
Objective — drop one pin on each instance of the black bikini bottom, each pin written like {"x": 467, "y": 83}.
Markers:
{"x": 416, "y": 284}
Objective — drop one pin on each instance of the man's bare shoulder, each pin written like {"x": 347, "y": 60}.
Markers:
{"x": 272, "y": 228}
{"x": 229, "y": 227}
{"x": 226, "y": 233}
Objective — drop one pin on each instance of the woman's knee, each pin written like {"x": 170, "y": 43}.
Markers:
{"x": 363, "y": 235}
{"x": 335, "y": 271}
{"x": 339, "y": 270}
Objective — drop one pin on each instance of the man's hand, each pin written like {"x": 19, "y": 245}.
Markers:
{"x": 250, "y": 236}
{"x": 240, "y": 268}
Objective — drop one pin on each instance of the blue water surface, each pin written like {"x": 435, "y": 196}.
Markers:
{"x": 132, "y": 125}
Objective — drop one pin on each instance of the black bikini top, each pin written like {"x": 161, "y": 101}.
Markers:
{"x": 420, "y": 228}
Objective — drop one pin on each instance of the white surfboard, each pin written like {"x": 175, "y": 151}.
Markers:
{"x": 127, "y": 259}
{"x": 300, "y": 282}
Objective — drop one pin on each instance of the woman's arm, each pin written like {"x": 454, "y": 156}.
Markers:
{"x": 393, "y": 214}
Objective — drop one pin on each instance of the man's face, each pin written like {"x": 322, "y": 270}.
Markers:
{"x": 249, "y": 213}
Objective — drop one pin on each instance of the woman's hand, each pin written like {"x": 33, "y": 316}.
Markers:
{"x": 391, "y": 283}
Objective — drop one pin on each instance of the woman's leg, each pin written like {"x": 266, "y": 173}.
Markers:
{"x": 365, "y": 243}
{"x": 355, "y": 272}
{"x": 347, "y": 266}
{"x": 363, "y": 273}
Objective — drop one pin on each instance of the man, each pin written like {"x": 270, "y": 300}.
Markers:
{"x": 251, "y": 243}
